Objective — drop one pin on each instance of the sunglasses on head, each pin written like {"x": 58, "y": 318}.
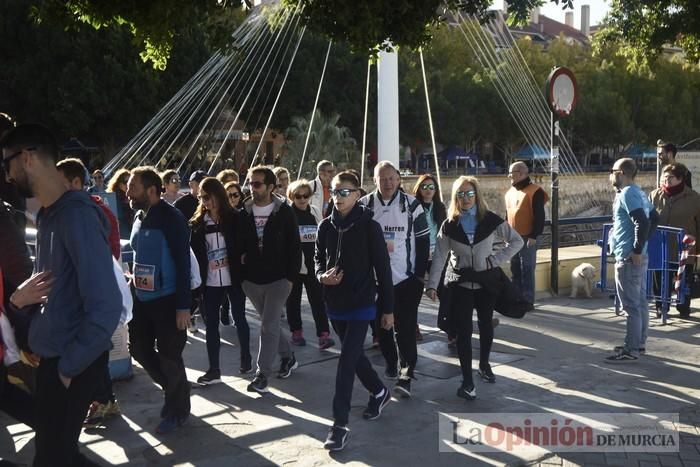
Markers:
{"x": 257, "y": 184}
{"x": 343, "y": 192}
{"x": 468, "y": 194}
{"x": 301, "y": 196}
{"x": 428, "y": 186}
{"x": 234, "y": 195}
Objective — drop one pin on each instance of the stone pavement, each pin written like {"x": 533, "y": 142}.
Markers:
{"x": 551, "y": 361}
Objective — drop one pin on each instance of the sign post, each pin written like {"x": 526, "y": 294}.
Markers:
{"x": 561, "y": 97}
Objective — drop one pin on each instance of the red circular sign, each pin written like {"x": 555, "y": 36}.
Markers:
{"x": 561, "y": 91}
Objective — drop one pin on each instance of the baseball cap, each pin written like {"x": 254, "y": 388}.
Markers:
{"x": 198, "y": 176}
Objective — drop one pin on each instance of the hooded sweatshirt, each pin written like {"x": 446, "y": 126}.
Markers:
{"x": 355, "y": 244}
{"x": 84, "y": 306}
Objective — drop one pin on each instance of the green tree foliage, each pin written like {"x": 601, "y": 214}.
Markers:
{"x": 366, "y": 25}
{"x": 327, "y": 140}
{"x": 643, "y": 27}
{"x": 84, "y": 82}
{"x": 153, "y": 24}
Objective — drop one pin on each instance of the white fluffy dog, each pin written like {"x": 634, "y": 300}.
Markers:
{"x": 582, "y": 278}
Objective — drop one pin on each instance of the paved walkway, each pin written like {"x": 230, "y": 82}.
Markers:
{"x": 551, "y": 361}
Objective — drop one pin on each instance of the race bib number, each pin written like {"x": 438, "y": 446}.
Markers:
{"x": 307, "y": 233}
{"x": 145, "y": 277}
{"x": 389, "y": 238}
{"x": 217, "y": 259}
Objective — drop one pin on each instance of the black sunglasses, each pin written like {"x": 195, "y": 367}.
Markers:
{"x": 257, "y": 184}
{"x": 343, "y": 192}
{"x": 204, "y": 197}
{"x": 6, "y": 161}
{"x": 300, "y": 196}
{"x": 234, "y": 195}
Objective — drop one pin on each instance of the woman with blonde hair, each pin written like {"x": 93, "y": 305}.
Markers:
{"x": 466, "y": 240}
{"x": 308, "y": 218}
{"x": 125, "y": 215}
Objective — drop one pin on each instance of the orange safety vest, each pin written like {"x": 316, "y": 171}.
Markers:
{"x": 519, "y": 208}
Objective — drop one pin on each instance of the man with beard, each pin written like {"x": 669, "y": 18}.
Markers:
{"x": 272, "y": 264}
{"x": 525, "y": 214}
{"x": 666, "y": 155}
{"x": 73, "y": 330}
{"x": 628, "y": 244}
{"x": 160, "y": 238}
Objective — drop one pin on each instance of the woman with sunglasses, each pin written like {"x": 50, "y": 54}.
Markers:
{"x": 427, "y": 191}
{"x": 352, "y": 264}
{"x": 218, "y": 239}
{"x": 467, "y": 238}
{"x": 235, "y": 195}
{"x": 308, "y": 218}
{"x": 171, "y": 186}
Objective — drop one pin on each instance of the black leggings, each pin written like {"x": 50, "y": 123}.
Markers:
{"x": 463, "y": 303}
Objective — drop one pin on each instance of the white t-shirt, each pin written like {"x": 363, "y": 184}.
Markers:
{"x": 261, "y": 215}
{"x": 218, "y": 272}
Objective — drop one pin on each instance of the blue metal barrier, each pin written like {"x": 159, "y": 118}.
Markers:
{"x": 664, "y": 258}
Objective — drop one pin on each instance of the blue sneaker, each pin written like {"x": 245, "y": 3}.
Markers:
{"x": 168, "y": 425}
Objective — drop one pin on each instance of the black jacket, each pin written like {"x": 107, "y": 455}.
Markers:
{"x": 234, "y": 229}
{"x": 308, "y": 248}
{"x": 280, "y": 255}
{"x": 187, "y": 205}
{"x": 15, "y": 262}
{"x": 356, "y": 245}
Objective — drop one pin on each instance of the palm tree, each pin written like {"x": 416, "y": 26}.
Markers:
{"x": 326, "y": 141}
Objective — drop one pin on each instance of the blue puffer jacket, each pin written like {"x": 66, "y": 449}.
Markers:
{"x": 161, "y": 243}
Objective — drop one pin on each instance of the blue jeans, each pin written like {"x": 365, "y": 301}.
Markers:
{"x": 352, "y": 361}
{"x": 213, "y": 296}
{"x": 522, "y": 266}
{"x": 631, "y": 289}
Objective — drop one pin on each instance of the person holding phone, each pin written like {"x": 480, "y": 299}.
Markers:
{"x": 352, "y": 264}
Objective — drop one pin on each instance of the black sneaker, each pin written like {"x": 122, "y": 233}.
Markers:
{"x": 210, "y": 377}
{"x": 337, "y": 438}
{"x": 391, "y": 372}
{"x": 467, "y": 392}
{"x": 622, "y": 357}
{"x": 376, "y": 404}
{"x": 246, "y": 365}
{"x": 403, "y": 387}
{"x": 621, "y": 348}
{"x": 286, "y": 367}
{"x": 259, "y": 384}
{"x": 486, "y": 374}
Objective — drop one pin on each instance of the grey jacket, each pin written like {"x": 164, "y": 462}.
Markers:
{"x": 453, "y": 244}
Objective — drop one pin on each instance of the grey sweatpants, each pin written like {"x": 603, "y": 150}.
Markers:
{"x": 269, "y": 300}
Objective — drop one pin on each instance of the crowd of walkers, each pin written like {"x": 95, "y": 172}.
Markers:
{"x": 364, "y": 259}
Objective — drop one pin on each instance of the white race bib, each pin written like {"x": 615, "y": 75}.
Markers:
{"x": 145, "y": 277}
{"x": 217, "y": 259}
{"x": 307, "y": 233}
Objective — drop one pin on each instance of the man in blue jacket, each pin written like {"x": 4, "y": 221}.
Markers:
{"x": 72, "y": 330}
{"x": 160, "y": 239}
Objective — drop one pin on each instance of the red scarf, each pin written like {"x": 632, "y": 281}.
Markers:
{"x": 672, "y": 190}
